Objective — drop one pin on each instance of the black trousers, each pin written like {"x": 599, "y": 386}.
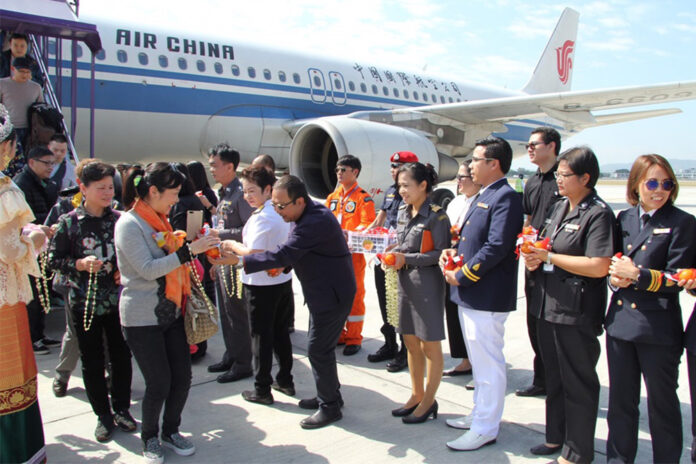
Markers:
{"x": 269, "y": 314}
{"x": 37, "y": 315}
{"x": 454, "y": 328}
{"x": 325, "y": 327}
{"x": 570, "y": 356}
{"x": 691, "y": 365}
{"x": 162, "y": 354}
{"x": 234, "y": 319}
{"x": 104, "y": 328}
{"x": 659, "y": 366}
{"x": 539, "y": 379}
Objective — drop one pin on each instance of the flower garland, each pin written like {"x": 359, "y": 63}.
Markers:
{"x": 87, "y": 318}
{"x": 42, "y": 282}
{"x": 234, "y": 289}
{"x": 392, "y": 293}
{"x": 199, "y": 285}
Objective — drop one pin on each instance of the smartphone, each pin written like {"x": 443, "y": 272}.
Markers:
{"x": 194, "y": 222}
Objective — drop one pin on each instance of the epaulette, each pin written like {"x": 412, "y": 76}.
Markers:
{"x": 435, "y": 207}
{"x": 599, "y": 202}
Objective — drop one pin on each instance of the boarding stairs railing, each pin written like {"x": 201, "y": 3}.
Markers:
{"x": 51, "y": 98}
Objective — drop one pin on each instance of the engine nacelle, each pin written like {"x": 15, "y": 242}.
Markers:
{"x": 318, "y": 144}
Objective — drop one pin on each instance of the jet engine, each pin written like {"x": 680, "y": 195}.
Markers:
{"x": 318, "y": 144}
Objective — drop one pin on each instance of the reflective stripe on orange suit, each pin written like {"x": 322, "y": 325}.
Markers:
{"x": 357, "y": 211}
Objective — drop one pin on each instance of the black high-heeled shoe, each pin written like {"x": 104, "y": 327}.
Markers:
{"x": 413, "y": 419}
{"x": 401, "y": 412}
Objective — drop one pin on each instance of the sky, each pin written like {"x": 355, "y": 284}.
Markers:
{"x": 496, "y": 42}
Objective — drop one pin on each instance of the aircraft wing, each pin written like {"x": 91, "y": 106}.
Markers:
{"x": 574, "y": 108}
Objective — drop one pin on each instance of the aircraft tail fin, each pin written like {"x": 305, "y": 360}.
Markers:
{"x": 554, "y": 71}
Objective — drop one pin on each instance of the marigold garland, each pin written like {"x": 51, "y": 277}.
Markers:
{"x": 392, "y": 293}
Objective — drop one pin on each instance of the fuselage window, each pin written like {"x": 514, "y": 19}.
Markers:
{"x": 351, "y": 86}
{"x": 296, "y": 78}
{"x": 337, "y": 84}
{"x": 415, "y": 96}
{"x": 235, "y": 70}
{"x": 459, "y": 100}
{"x": 385, "y": 91}
{"x": 218, "y": 67}
{"x": 267, "y": 74}
{"x": 425, "y": 97}
{"x": 317, "y": 81}
{"x": 200, "y": 65}
{"x": 79, "y": 50}
{"x": 434, "y": 98}
{"x": 101, "y": 54}
{"x": 142, "y": 58}
{"x": 52, "y": 47}
{"x": 406, "y": 94}
{"x": 451, "y": 100}
{"x": 374, "y": 89}
{"x": 182, "y": 63}
{"x": 251, "y": 71}
{"x": 442, "y": 99}
{"x": 281, "y": 76}
{"x": 122, "y": 56}
{"x": 396, "y": 92}
{"x": 363, "y": 87}
{"x": 163, "y": 61}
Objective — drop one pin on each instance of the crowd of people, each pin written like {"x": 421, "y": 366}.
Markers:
{"x": 120, "y": 248}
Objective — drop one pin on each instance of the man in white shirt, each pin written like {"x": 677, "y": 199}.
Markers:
{"x": 456, "y": 211}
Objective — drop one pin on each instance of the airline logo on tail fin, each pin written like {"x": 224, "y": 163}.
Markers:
{"x": 564, "y": 60}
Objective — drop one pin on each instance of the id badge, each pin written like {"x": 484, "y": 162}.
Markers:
{"x": 547, "y": 268}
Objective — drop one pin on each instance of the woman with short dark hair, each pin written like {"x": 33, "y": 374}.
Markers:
{"x": 82, "y": 249}
{"x": 569, "y": 292}
{"x": 423, "y": 231}
{"x": 152, "y": 259}
{"x": 644, "y": 320}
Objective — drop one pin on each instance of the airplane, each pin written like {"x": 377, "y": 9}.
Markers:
{"x": 162, "y": 95}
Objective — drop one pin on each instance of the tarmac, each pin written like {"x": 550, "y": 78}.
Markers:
{"x": 227, "y": 429}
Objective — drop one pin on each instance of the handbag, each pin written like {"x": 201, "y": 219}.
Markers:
{"x": 200, "y": 317}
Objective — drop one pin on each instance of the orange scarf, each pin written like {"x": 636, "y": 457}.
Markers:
{"x": 178, "y": 281}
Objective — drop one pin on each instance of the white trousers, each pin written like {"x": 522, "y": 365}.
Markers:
{"x": 483, "y": 335}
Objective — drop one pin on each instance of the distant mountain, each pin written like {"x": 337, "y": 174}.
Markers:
{"x": 677, "y": 164}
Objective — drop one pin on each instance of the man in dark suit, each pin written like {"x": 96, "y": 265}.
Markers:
{"x": 487, "y": 245}
{"x": 317, "y": 251}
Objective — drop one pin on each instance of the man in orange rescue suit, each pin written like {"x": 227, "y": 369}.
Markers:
{"x": 354, "y": 210}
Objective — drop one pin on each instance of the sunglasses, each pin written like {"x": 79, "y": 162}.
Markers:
{"x": 396, "y": 165}
{"x": 463, "y": 177}
{"x": 341, "y": 169}
{"x": 282, "y": 206}
{"x": 653, "y": 184}
{"x": 533, "y": 145}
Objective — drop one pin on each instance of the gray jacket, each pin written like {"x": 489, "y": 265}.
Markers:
{"x": 143, "y": 266}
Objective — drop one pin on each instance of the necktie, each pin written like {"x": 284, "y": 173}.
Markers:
{"x": 644, "y": 220}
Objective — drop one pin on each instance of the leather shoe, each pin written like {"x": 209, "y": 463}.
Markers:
{"x": 350, "y": 350}
{"x": 321, "y": 418}
{"x": 470, "y": 385}
{"x": 385, "y": 353}
{"x": 455, "y": 373}
{"x": 254, "y": 396}
{"x": 50, "y": 342}
{"x": 231, "y": 376}
{"x": 289, "y": 390}
{"x": 470, "y": 441}
{"x": 544, "y": 450}
{"x": 401, "y": 412}
{"x": 313, "y": 403}
{"x": 413, "y": 419}
{"x": 219, "y": 367}
{"x": 531, "y": 390}
{"x": 398, "y": 364}
{"x": 59, "y": 388}
{"x": 462, "y": 423}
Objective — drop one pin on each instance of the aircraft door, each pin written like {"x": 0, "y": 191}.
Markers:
{"x": 317, "y": 85}
{"x": 241, "y": 126}
{"x": 338, "y": 88}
